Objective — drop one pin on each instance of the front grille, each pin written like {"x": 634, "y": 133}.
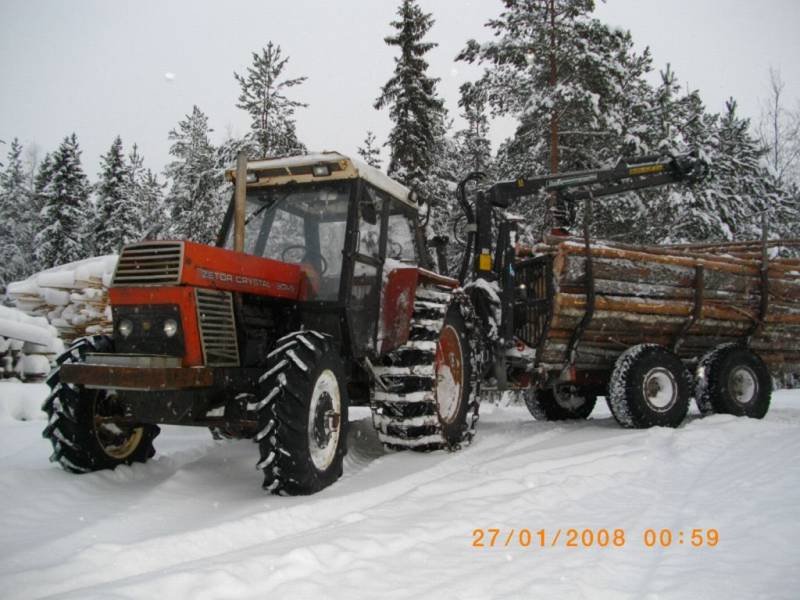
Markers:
{"x": 217, "y": 328}
{"x": 149, "y": 263}
{"x": 533, "y": 298}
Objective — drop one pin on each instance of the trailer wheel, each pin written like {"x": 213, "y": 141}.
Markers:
{"x": 733, "y": 380}
{"x": 302, "y": 415}
{"x": 80, "y": 423}
{"x": 549, "y": 404}
{"x": 649, "y": 387}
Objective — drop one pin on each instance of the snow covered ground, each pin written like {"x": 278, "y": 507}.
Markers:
{"x": 193, "y": 523}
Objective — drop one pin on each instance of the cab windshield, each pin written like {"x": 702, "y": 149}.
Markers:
{"x": 303, "y": 224}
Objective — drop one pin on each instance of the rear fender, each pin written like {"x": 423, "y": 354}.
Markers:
{"x": 397, "y": 303}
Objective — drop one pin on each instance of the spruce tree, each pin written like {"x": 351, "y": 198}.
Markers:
{"x": 16, "y": 226}
{"x": 264, "y": 96}
{"x": 370, "y": 152}
{"x": 474, "y": 146}
{"x": 108, "y": 230}
{"x": 532, "y": 62}
{"x": 152, "y": 207}
{"x": 410, "y": 95}
{"x": 64, "y": 216}
{"x": 194, "y": 204}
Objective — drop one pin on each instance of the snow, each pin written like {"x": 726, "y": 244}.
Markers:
{"x": 194, "y": 523}
{"x": 26, "y": 332}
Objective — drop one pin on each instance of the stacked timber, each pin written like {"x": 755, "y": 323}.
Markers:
{"x": 73, "y": 297}
{"x": 28, "y": 345}
{"x": 682, "y": 298}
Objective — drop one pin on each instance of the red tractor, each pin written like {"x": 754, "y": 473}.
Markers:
{"x": 318, "y": 296}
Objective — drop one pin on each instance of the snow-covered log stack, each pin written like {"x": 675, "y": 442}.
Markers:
{"x": 28, "y": 345}
{"x": 651, "y": 294}
{"x": 73, "y": 297}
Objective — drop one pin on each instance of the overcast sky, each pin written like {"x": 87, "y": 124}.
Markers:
{"x": 135, "y": 68}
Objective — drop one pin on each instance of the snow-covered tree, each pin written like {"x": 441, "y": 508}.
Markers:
{"x": 110, "y": 229}
{"x": 153, "y": 208}
{"x": 779, "y": 132}
{"x": 16, "y": 219}
{"x": 533, "y": 59}
{"x": 370, "y": 152}
{"x": 474, "y": 146}
{"x": 193, "y": 199}
{"x": 410, "y": 95}
{"x": 575, "y": 86}
{"x": 264, "y": 95}
{"x": 63, "y": 217}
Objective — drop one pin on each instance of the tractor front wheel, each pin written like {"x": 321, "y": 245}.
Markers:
{"x": 85, "y": 426}
{"x": 302, "y": 415}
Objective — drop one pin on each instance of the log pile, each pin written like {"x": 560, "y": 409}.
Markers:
{"x": 684, "y": 298}
{"x": 73, "y": 297}
{"x": 28, "y": 345}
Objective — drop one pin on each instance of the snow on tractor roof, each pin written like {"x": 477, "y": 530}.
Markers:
{"x": 280, "y": 171}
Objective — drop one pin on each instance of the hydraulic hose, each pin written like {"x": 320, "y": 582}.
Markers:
{"x": 461, "y": 196}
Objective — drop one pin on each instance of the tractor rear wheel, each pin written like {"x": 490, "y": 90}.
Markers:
{"x": 81, "y": 423}
{"x": 432, "y": 381}
{"x": 302, "y": 415}
{"x": 649, "y": 387}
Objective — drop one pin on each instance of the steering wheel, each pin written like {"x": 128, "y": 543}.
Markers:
{"x": 306, "y": 254}
{"x": 395, "y": 249}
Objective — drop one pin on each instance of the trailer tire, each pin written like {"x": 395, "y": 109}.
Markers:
{"x": 733, "y": 380}
{"x": 80, "y": 443}
{"x": 545, "y": 405}
{"x": 302, "y": 415}
{"x": 649, "y": 387}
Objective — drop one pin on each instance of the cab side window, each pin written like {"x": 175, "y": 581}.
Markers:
{"x": 370, "y": 214}
{"x": 400, "y": 234}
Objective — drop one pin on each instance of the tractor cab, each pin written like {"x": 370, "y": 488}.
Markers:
{"x": 344, "y": 223}
{"x": 338, "y": 218}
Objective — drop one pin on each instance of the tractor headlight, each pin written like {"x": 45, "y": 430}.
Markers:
{"x": 170, "y": 327}
{"x": 125, "y": 327}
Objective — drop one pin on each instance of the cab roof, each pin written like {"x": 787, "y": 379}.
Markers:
{"x": 299, "y": 169}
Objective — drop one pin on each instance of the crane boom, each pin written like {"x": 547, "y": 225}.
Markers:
{"x": 627, "y": 175}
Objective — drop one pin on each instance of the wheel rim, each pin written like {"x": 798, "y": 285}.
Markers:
{"x": 116, "y": 440}
{"x": 660, "y": 389}
{"x": 743, "y": 385}
{"x": 324, "y": 420}
{"x": 449, "y": 373}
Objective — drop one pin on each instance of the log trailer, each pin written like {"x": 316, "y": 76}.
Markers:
{"x": 648, "y": 327}
{"x": 320, "y": 295}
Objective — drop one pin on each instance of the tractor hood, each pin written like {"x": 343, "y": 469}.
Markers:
{"x": 168, "y": 263}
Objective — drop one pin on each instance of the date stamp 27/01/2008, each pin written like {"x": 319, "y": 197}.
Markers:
{"x": 495, "y": 537}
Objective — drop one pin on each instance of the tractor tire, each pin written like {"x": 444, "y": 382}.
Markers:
{"x": 733, "y": 380}
{"x": 81, "y": 443}
{"x": 649, "y": 387}
{"x": 432, "y": 381}
{"x": 549, "y": 405}
{"x": 302, "y": 415}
